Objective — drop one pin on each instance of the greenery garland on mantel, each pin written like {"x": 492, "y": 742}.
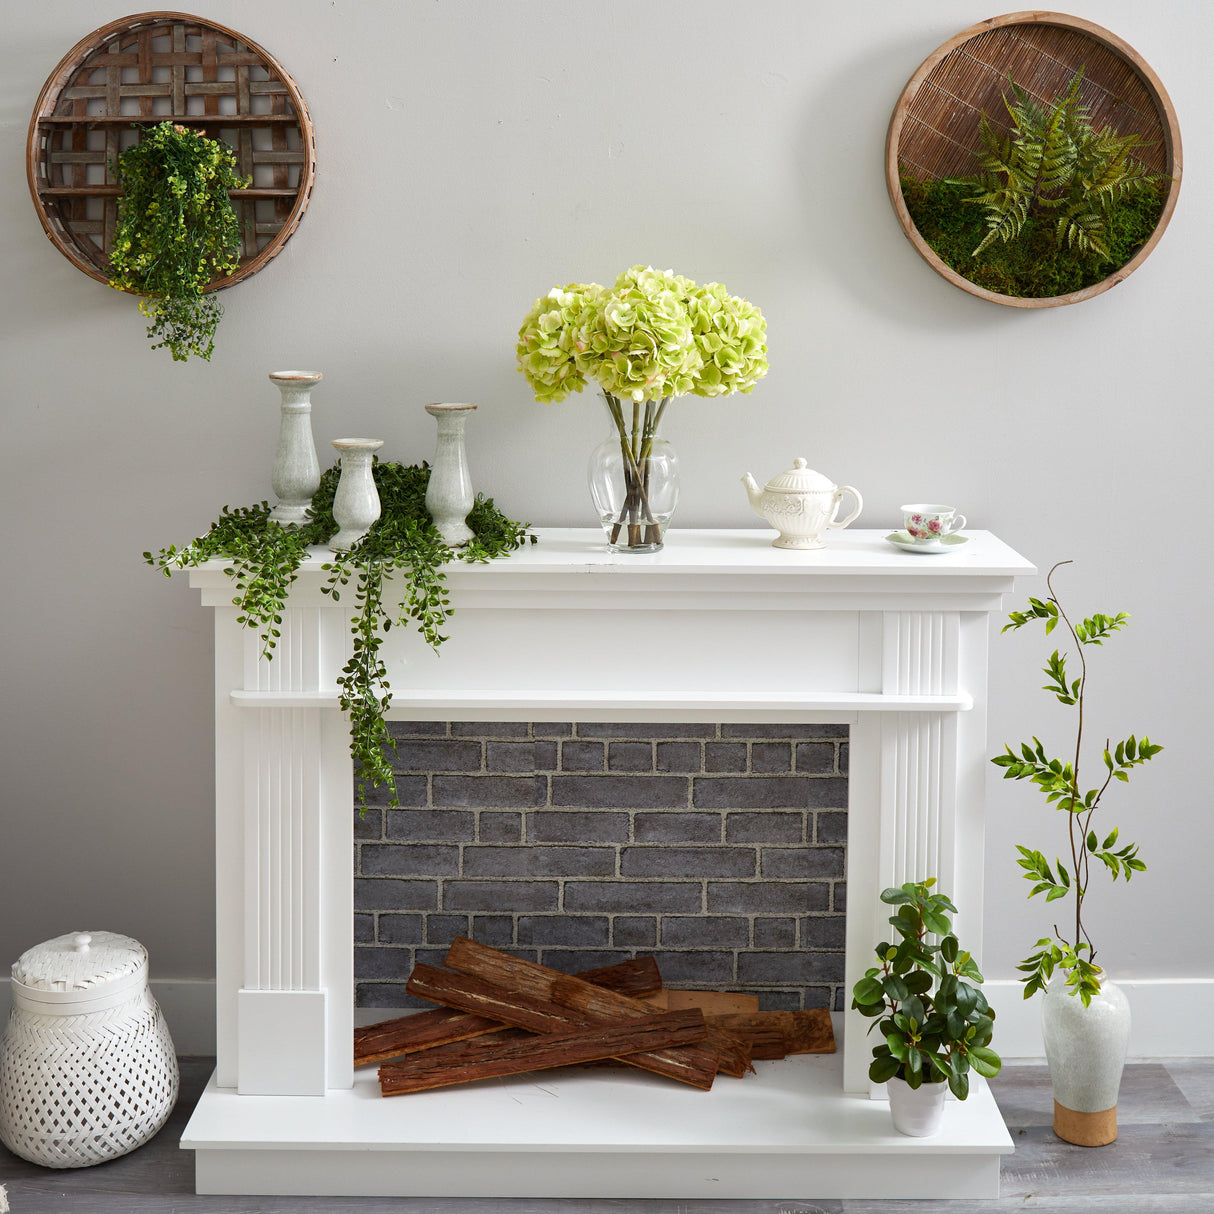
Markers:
{"x": 265, "y": 558}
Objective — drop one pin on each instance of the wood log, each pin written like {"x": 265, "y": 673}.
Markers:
{"x": 696, "y": 1067}
{"x": 441, "y": 1026}
{"x": 711, "y": 1003}
{"x": 418, "y": 1031}
{"x": 637, "y": 977}
{"x": 466, "y": 1061}
{"x": 778, "y": 1034}
{"x": 566, "y": 990}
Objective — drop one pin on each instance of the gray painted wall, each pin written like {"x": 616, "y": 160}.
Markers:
{"x": 471, "y": 155}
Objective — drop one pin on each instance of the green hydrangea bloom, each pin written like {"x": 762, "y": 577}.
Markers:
{"x": 731, "y": 336}
{"x": 639, "y": 340}
{"x": 653, "y": 335}
{"x": 553, "y": 337}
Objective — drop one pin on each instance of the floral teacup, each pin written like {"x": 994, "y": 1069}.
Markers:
{"x": 929, "y": 523}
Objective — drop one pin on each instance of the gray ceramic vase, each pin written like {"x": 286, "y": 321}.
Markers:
{"x": 1086, "y": 1049}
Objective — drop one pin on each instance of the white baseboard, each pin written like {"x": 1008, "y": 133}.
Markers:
{"x": 188, "y": 1005}
{"x": 1171, "y": 1018}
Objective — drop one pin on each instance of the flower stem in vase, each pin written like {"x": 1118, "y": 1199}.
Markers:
{"x": 653, "y": 533}
{"x": 635, "y": 451}
{"x": 634, "y": 477}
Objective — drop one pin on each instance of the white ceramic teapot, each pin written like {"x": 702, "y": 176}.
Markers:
{"x": 800, "y": 504}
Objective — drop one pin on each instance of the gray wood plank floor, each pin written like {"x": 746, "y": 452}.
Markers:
{"x": 1162, "y": 1163}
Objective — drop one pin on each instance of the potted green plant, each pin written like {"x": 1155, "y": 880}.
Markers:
{"x": 923, "y": 997}
{"x": 1085, "y": 1017}
{"x": 652, "y": 336}
{"x": 176, "y": 233}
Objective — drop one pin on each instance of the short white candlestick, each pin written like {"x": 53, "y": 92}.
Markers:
{"x": 356, "y": 503}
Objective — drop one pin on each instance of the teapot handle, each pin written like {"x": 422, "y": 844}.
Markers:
{"x": 855, "y": 514}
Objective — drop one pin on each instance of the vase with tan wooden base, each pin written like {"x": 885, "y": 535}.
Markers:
{"x": 1086, "y": 1049}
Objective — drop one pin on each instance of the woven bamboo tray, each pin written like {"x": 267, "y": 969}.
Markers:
{"x": 933, "y": 132}
{"x": 158, "y": 67}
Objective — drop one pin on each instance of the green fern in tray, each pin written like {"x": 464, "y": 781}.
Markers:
{"x": 1053, "y": 164}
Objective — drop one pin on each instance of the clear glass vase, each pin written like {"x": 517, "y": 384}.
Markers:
{"x": 634, "y": 477}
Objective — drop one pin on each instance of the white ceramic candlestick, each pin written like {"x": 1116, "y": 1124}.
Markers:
{"x": 296, "y": 473}
{"x": 449, "y": 494}
{"x": 356, "y": 502}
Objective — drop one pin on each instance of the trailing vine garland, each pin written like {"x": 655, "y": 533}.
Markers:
{"x": 265, "y": 558}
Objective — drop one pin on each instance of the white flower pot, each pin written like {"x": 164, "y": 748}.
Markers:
{"x": 917, "y": 1112}
{"x": 1085, "y": 1048}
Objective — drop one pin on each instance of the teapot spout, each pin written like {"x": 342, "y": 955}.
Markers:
{"x": 753, "y": 492}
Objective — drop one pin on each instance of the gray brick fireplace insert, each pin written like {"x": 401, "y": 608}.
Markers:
{"x": 718, "y": 848}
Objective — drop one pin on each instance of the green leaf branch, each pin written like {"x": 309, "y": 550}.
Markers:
{"x": 1059, "y": 781}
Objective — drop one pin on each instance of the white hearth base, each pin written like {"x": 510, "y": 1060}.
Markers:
{"x": 787, "y": 1133}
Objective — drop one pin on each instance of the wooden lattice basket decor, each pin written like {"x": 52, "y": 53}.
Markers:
{"x": 934, "y": 132}
{"x": 156, "y": 67}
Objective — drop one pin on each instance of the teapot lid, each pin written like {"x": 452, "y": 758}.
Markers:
{"x": 800, "y": 479}
{"x": 79, "y": 961}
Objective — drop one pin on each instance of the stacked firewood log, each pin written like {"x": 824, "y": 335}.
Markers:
{"x": 501, "y": 1015}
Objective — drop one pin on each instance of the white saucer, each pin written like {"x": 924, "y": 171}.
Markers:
{"x": 904, "y": 540}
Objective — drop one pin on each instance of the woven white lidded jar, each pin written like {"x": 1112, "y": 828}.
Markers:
{"x": 87, "y": 1068}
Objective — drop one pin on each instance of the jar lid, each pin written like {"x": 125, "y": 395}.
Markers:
{"x": 80, "y": 961}
{"x": 800, "y": 479}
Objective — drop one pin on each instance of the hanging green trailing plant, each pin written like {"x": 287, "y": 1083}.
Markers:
{"x": 1073, "y": 954}
{"x": 265, "y": 557}
{"x": 176, "y": 233}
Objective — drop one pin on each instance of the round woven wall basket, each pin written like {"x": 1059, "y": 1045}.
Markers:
{"x": 167, "y": 67}
{"x": 934, "y": 131}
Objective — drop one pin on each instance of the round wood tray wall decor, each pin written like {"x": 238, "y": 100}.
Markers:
{"x": 934, "y": 128}
{"x": 167, "y": 67}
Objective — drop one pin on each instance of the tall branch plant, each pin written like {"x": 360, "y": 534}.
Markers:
{"x": 1073, "y": 951}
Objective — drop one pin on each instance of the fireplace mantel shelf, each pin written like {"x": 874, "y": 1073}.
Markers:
{"x": 851, "y": 558}
{"x": 717, "y": 627}
{"x": 705, "y": 705}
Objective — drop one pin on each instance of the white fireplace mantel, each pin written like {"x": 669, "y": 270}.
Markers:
{"x": 719, "y": 626}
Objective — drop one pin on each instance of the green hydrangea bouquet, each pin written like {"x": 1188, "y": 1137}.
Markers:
{"x": 652, "y": 336}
